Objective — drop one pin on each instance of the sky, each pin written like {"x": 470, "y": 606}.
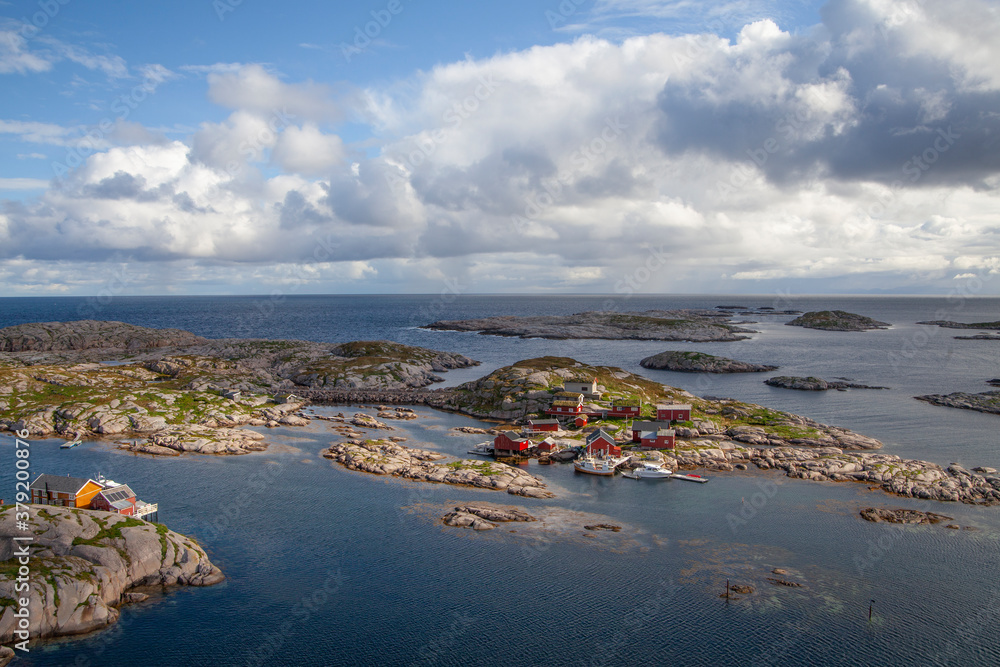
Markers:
{"x": 525, "y": 147}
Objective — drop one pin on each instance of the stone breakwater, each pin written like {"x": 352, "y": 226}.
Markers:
{"x": 383, "y": 457}
{"x": 435, "y": 398}
{"x": 892, "y": 474}
{"x": 84, "y": 562}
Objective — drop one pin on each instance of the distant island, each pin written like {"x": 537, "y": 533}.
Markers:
{"x": 697, "y": 326}
{"x": 814, "y": 384}
{"x": 699, "y": 362}
{"x": 948, "y": 324}
{"x": 837, "y": 320}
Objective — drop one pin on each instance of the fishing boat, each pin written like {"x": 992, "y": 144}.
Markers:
{"x": 649, "y": 470}
{"x": 70, "y": 445}
{"x": 593, "y": 465}
{"x": 690, "y": 477}
{"x": 483, "y": 449}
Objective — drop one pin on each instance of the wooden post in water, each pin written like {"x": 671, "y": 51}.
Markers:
{"x": 727, "y": 590}
{"x": 870, "y": 605}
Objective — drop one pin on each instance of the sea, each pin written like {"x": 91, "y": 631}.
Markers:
{"x": 326, "y": 566}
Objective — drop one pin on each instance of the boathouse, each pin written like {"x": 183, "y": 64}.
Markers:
{"x": 581, "y": 420}
{"x": 64, "y": 491}
{"x": 536, "y": 425}
{"x": 678, "y": 412}
{"x": 660, "y": 439}
{"x": 599, "y": 442}
{"x": 548, "y": 445}
{"x": 640, "y": 427}
{"x": 510, "y": 443}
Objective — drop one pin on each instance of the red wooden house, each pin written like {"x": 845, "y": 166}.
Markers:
{"x": 543, "y": 425}
{"x": 119, "y": 499}
{"x": 547, "y": 445}
{"x": 640, "y": 427}
{"x": 659, "y": 439}
{"x": 624, "y": 408}
{"x": 677, "y": 412}
{"x": 510, "y": 443}
{"x": 599, "y": 442}
{"x": 566, "y": 403}
{"x": 581, "y": 421}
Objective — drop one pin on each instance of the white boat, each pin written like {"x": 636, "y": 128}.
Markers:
{"x": 649, "y": 470}
{"x": 598, "y": 466}
{"x": 483, "y": 449}
{"x": 70, "y": 445}
{"x": 690, "y": 477}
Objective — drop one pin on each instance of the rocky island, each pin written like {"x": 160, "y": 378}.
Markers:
{"x": 814, "y": 384}
{"x": 987, "y": 401}
{"x": 169, "y": 391}
{"x": 384, "y": 457}
{"x": 697, "y": 326}
{"x": 837, "y": 320}
{"x": 948, "y": 324}
{"x": 84, "y": 563}
{"x": 699, "y": 362}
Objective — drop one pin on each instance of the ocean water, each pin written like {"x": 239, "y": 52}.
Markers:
{"x": 329, "y": 567}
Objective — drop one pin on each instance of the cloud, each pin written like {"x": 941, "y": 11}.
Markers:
{"x": 16, "y": 58}
{"x": 23, "y": 183}
{"x": 848, "y": 154}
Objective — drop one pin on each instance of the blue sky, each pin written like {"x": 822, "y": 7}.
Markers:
{"x": 524, "y": 147}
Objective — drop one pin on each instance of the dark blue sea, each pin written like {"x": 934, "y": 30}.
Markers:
{"x": 330, "y": 567}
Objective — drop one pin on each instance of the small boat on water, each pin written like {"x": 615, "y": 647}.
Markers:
{"x": 593, "y": 465}
{"x": 690, "y": 477}
{"x": 483, "y": 449}
{"x": 70, "y": 445}
{"x": 649, "y": 470}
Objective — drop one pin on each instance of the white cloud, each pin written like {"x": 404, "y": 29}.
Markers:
{"x": 771, "y": 157}
{"x": 23, "y": 183}
{"x": 16, "y": 58}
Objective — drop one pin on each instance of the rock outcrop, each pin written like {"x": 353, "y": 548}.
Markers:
{"x": 384, "y": 457}
{"x": 674, "y": 325}
{"x": 879, "y": 514}
{"x": 814, "y": 384}
{"x": 83, "y": 562}
{"x": 837, "y": 320}
{"x": 892, "y": 474}
{"x": 988, "y": 401}
{"x": 89, "y": 334}
{"x": 482, "y": 517}
{"x": 699, "y": 362}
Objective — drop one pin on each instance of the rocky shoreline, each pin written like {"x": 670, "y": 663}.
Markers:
{"x": 948, "y": 324}
{"x": 84, "y": 563}
{"x": 672, "y": 325}
{"x": 837, "y": 320}
{"x": 699, "y": 362}
{"x": 384, "y": 457}
{"x": 814, "y": 384}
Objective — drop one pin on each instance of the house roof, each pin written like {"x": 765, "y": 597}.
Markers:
{"x": 648, "y": 426}
{"x": 515, "y": 436}
{"x": 121, "y": 504}
{"x": 543, "y": 421}
{"x": 565, "y": 404}
{"x": 599, "y": 434}
{"x": 57, "y": 484}
{"x": 120, "y": 492}
{"x": 674, "y": 406}
{"x": 629, "y": 402}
